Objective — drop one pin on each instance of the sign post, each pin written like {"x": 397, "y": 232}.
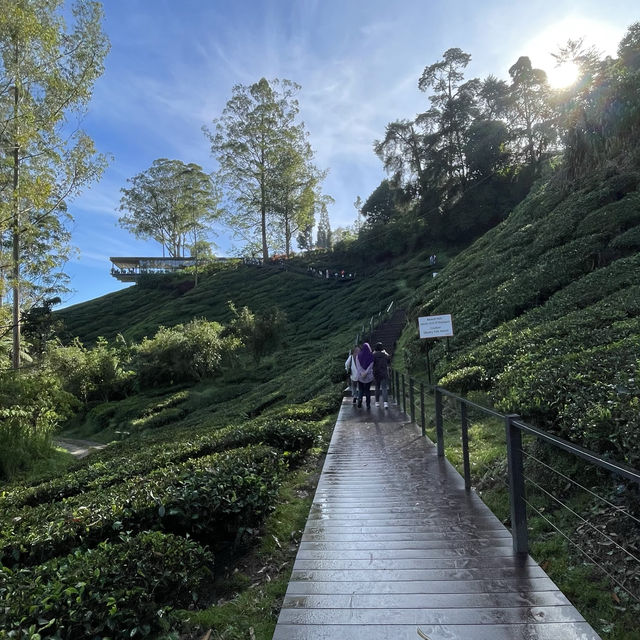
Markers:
{"x": 435, "y": 327}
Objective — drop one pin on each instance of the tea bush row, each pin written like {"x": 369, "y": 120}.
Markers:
{"x": 217, "y": 496}
{"x": 139, "y": 458}
{"x": 128, "y": 588}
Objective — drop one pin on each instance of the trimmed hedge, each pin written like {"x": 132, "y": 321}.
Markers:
{"x": 104, "y": 468}
{"x": 126, "y": 589}
{"x": 218, "y": 496}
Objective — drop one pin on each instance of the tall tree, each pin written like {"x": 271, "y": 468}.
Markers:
{"x": 453, "y": 106}
{"x": 169, "y": 202}
{"x": 380, "y": 206}
{"x": 323, "y": 238}
{"x": 531, "y": 114}
{"x": 401, "y": 150}
{"x": 256, "y": 130}
{"x": 47, "y": 72}
{"x": 296, "y": 191}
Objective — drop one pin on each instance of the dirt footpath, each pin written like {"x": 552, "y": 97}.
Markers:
{"x": 78, "y": 448}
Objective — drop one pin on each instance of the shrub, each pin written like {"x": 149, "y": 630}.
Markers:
{"x": 466, "y": 379}
{"x": 99, "y": 373}
{"x": 118, "y": 590}
{"x": 260, "y": 333}
{"x": 31, "y": 406}
{"x": 116, "y": 464}
{"x": 184, "y": 353}
{"x": 217, "y": 497}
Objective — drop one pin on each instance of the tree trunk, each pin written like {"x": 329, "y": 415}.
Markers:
{"x": 15, "y": 356}
{"x": 263, "y": 210}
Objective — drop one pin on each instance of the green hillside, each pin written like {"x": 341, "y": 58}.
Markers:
{"x": 546, "y": 313}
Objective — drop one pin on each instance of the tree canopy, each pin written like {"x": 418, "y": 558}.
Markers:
{"x": 169, "y": 202}
{"x": 47, "y": 72}
{"x": 461, "y": 165}
{"x": 265, "y": 164}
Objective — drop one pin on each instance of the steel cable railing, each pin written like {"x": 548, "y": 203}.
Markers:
{"x": 409, "y": 395}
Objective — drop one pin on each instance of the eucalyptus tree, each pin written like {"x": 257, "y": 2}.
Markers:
{"x": 170, "y": 202}
{"x": 453, "y": 107}
{"x": 258, "y": 128}
{"x": 323, "y": 236}
{"x": 531, "y": 116}
{"x": 47, "y": 72}
{"x": 296, "y": 193}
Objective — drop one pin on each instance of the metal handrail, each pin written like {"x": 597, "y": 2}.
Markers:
{"x": 374, "y": 322}
{"x": 515, "y": 427}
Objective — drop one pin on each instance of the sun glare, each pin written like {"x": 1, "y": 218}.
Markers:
{"x": 563, "y": 75}
{"x": 604, "y": 37}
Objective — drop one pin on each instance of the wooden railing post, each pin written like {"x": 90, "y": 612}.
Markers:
{"x": 516, "y": 486}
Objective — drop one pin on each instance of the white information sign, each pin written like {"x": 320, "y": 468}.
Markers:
{"x": 435, "y": 326}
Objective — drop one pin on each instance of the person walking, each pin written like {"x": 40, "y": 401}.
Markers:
{"x": 364, "y": 363}
{"x": 352, "y": 369}
{"x": 381, "y": 361}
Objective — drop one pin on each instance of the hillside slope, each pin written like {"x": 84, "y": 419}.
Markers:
{"x": 546, "y": 313}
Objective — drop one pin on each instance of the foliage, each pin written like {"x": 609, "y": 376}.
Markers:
{"x": 122, "y": 589}
{"x": 260, "y": 333}
{"x": 47, "y": 72}
{"x": 99, "y": 373}
{"x": 32, "y": 404}
{"x": 546, "y": 314}
{"x": 40, "y": 326}
{"x": 217, "y": 497}
{"x": 171, "y": 202}
{"x": 183, "y": 353}
{"x": 380, "y": 206}
{"x": 265, "y": 163}
{"x": 282, "y": 429}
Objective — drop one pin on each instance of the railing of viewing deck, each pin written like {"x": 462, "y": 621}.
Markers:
{"x": 411, "y": 396}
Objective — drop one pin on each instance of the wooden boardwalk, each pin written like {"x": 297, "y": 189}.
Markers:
{"x": 394, "y": 549}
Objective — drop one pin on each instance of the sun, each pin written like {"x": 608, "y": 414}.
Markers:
{"x": 563, "y": 75}
{"x": 541, "y": 46}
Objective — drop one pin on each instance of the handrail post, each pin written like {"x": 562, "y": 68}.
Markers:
{"x": 439, "y": 424}
{"x": 516, "y": 486}
{"x": 464, "y": 423}
{"x": 422, "y": 419}
{"x": 412, "y": 401}
{"x": 404, "y": 396}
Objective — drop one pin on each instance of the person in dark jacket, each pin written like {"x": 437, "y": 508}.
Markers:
{"x": 364, "y": 364}
{"x": 381, "y": 361}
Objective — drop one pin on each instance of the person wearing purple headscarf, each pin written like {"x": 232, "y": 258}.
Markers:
{"x": 364, "y": 364}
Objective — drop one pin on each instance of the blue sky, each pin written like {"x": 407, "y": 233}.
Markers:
{"x": 173, "y": 64}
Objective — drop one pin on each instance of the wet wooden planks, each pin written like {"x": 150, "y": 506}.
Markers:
{"x": 394, "y": 548}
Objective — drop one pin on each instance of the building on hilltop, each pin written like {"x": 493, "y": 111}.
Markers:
{"x": 129, "y": 269}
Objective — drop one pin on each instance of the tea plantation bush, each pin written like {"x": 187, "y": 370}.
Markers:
{"x": 105, "y": 468}
{"x": 214, "y": 496}
{"x": 546, "y": 310}
{"x": 122, "y": 589}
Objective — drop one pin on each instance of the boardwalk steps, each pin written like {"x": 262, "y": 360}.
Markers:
{"x": 394, "y": 547}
